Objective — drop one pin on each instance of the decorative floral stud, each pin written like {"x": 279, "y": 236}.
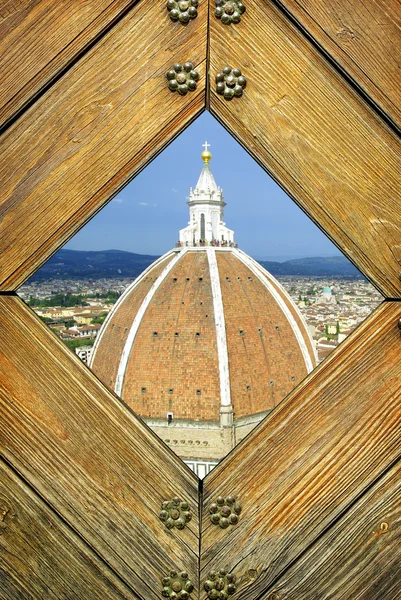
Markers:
{"x": 177, "y": 586}
{"x": 220, "y": 585}
{"x": 229, "y": 11}
{"x": 182, "y": 78}
{"x": 175, "y": 513}
{"x": 182, "y": 10}
{"x": 230, "y": 82}
{"x": 225, "y": 511}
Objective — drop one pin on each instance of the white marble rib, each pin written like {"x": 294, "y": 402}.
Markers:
{"x": 121, "y": 299}
{"x": 222, "y": 352}
{"x": 298, "y": 334}
{"x": 122, "y": 367}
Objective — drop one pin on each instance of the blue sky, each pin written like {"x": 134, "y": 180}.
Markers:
{"x": 145, "y": 217}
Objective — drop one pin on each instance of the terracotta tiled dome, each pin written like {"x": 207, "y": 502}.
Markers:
{"x": 158, "y": 348}
{"x": 205, "y": 339}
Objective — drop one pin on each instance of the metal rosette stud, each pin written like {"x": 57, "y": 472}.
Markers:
{"x": 183, "y": 10}
{"x": 225, "y": 511}
{"x": 177, "y": 586}
{"x": 220, "y": 585}
{"x": 182, "y": 78}
{"x": 230, "y": 83}
{"x": 175, "y": 513}
{"x": 229, "y": 11}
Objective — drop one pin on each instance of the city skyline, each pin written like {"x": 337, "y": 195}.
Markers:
{"x": 146, "y": 215}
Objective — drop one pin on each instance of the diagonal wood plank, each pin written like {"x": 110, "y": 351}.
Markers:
{"x": 29, "y": 435}
{"x": 305, "y": 125}
{"x": 359, "y": 557}
{"x": 39, "y": 38}
{"x": 40, "y": 557}
{"x": 92, "y": 132}
{"x": 96, "y": 464}
{"x": 363, "y": 38}
{"x": 317, "y": 452}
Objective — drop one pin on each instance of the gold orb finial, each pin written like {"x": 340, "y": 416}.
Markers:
{"x": 206, "y": 155}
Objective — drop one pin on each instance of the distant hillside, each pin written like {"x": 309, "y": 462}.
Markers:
{"x": 74, "y": 264}
{"x": 77, "y": 264}
{"x": 333, "y": 266}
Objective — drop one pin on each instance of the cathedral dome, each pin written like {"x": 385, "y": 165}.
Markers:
{"x": 205, "y": 342}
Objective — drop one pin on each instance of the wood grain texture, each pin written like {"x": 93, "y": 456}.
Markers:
{"x": 40, "y": 557}
{"x": 303, "y": 123}
{"x": 311, "y": 458}
{"x": 359, "y": 557}
{"x": 363, "y": 38}
{"x": 39, "y": 38}
{"x": 96, "y": 128}
{"x": 96, "y": 464}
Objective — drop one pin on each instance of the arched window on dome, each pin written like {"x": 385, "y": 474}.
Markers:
{"x": 202, "y": 227}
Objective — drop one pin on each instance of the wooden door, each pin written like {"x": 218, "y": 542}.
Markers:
{"x": 84, "y": 107}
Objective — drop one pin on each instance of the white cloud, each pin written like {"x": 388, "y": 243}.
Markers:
{"x": 142, "y": 204}
{"x": 174, "y": 190}
{"x": 118, "y": 199}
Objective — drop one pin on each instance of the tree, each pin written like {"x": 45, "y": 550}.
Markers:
{"x": 47, "y": 319}
{"x": 72, "y": 344}
{"x": 70, "y": 323}
{"x": 65, "y": 300}
{"x": 100, "y": 319}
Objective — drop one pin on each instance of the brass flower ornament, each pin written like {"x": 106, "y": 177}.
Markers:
{"x": 220, "y": 585}
{"x": 230, "y": 83}
{"x": 175, "y": 513}
{"x": 229, "y": 11}
{"x": 182, "y": 10}
{"x": 225, "y": 511}
{"x": 177, "y": 586}
{"x": 182, "y": 78}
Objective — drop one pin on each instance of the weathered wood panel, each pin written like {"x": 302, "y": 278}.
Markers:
{"x": 89, "y": 456}
{"x": 40, "y": 557}
{"x": 92, "y": 132}
{"x": 317, "y": 452}
{"x": 359, "y": 557}
{"x": 39, "y": 38}
{"x": 331, "y": 152}
{"x": 74, "y": 442}
{"x": 363, "y": 38}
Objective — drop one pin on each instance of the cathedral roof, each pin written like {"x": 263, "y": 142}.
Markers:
{"x": 205, "y": 330}
{"x": 202, "y": 328}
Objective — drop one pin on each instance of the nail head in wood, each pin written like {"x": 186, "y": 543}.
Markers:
{"x": 229, "y": 11}
{"x": 182, "y": 78}
{"x": 225, "y": 511}
{"x": 6, "y": 514}
{"x": 182, "y": 10}
{"x": 177, "y": 586}
{"x": 220, "y": 584}
{"x": 230, "y": 83}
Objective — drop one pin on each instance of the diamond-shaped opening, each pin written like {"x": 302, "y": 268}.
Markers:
{"x": 195, "y": 335}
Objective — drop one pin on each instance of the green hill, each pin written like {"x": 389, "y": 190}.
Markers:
{"x": 76, "y": 264}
